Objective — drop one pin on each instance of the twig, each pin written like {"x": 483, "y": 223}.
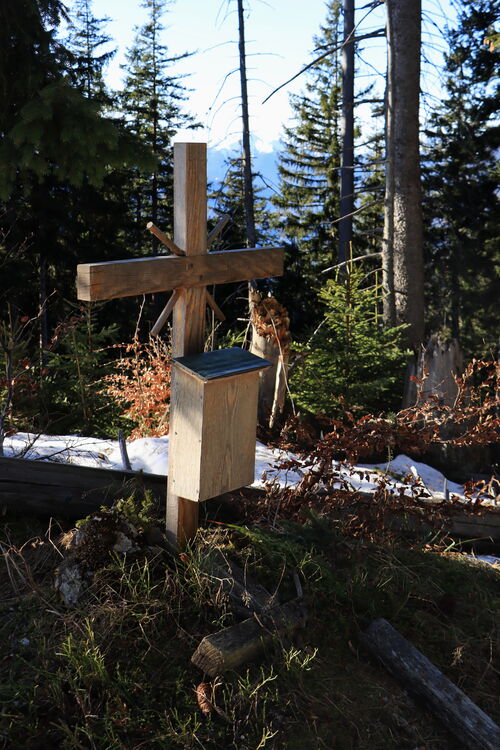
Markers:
{"x": 123, "y": 451}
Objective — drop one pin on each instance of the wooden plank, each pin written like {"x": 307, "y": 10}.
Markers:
{"x": 221, "y": 363}
{"x": 190, "y": 197}
{"x": 190, "y": 233}
{"x": 166, "y": 313}
{"x": 223, "y": 221}
{"x": 229, "y": 434}
{"x": 230, "y": 648}
{"x": 124, "y": 278}
{"x": 66, "y": 490}
{"x": 473, "y": 728}
{"x": 217, "y": 420}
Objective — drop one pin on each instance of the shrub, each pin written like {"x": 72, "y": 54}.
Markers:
{"x": 140, "y": 382}
{"x": 352, "y": 361}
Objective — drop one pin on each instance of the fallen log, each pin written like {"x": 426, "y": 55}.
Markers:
{"x": 67, "y": 490}
{"x": 472, "y": 727}
{"x": 233, "y": 646}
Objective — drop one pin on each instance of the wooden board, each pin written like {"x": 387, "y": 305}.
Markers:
{"x": 124, "y": 278}
{"x": 67, "y": 491}
{"x": 221, "y": 363}
{"x": 214, "y": 425}
{"x": 473, "y": 728}
{"x": 188, "y": 329}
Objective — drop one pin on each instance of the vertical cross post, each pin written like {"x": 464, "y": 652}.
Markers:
{"x": 190, "y": 234}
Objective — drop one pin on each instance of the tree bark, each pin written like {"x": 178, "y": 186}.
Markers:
{"x": 272, "y": 383}
{"x": 247, "y": 153}
{"x": 347, "y": 128}
{"x": 403, "y": 242}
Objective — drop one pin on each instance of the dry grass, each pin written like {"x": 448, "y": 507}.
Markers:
{"x": 115, "y": 672}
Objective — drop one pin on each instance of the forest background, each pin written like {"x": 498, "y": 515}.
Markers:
{"x": 85, "y": 166}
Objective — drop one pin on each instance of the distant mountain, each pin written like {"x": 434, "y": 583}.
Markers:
{"x": 264, "y": 164}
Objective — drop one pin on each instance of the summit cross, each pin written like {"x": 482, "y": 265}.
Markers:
{"x": 187, "y": 272}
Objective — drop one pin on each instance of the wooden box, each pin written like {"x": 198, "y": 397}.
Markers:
{"x": 214, "y": 420}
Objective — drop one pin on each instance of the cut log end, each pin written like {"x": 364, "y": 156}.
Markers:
{"x": 230, "y": 648}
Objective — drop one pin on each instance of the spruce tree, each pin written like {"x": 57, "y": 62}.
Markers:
{"x": 308, "y": 199}
{"x": 461, "y": 187}
{"x": 152, "y": 100}
{"x": 85, "y": 41}
{"x": 53, "y": 140}
{"x": 352, "y": 362}
{"x": 227, "y": 199}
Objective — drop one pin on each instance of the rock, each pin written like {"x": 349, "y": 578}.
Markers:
{"x": 88, "y": 548}
{"x": 71, "y": 581}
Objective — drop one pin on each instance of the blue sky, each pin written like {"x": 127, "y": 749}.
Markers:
{"x": 279, "y": 43}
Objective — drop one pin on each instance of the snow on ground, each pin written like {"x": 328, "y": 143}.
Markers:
{"x": 432, "y": 479}
{"x": 151, "y": 456}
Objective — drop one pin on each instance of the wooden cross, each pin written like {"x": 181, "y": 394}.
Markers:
{"x": 188, "y": 271}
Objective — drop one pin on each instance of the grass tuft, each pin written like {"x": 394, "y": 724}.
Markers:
{"x": 114, "y": 672}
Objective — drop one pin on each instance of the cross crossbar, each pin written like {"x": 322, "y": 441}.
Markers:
{"x": 124, "y": 278}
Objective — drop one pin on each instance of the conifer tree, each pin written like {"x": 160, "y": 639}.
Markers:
{"x": 227, "y": 198}
{"x": 53, "y": 139}
{"x": 85, "y": 41}
{"x": 461, "y": 187}
{"x": 353, "y": 362}
{"x": 308, "y": 200}
{"x": 152, "y": 100}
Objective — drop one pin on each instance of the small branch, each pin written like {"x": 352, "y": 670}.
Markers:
{"x": 351, "y": 260}
{"x": 223, "y": 221}
{"x": 123, "y": 451}
{"x": 164, "y": 239}
{"x": 377, "y": 33}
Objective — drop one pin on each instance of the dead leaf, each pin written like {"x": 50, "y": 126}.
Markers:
{"x": 204, "y": 694}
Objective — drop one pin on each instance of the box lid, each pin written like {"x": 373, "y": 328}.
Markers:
{"x": 221, "y": 363}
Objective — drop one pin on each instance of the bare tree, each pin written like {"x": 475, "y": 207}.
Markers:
{"x": 272, "y": 345}
{"x": 247, "y": 154}
{"x": 347, "y": 155}
{"x": 402, "y": 242}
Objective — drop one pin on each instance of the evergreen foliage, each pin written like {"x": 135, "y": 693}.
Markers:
{"x": 85, "y": 39}
{"x": 368, "y": 223}
{"x": 461, "y": 187}
{"x": 47, "y": 128}
{"x": 227, "y": 198}
{"x": 352, "y": 361}
{"x": 152, "y": 104}
{"x": 76, "y": 362}
{"x": 308, "y": 199}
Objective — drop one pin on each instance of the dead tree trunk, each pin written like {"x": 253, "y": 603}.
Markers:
{"x": 347, "y": 127}
{"x": 402, "y": 242}
{"x": 473, "y": 728}
{"x": 271, "y": 340}
{"x": 272, "y": 385}
{"x": 247, "y": 153}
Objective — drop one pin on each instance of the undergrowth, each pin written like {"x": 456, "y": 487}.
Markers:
{"x": 115, "y": 672}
